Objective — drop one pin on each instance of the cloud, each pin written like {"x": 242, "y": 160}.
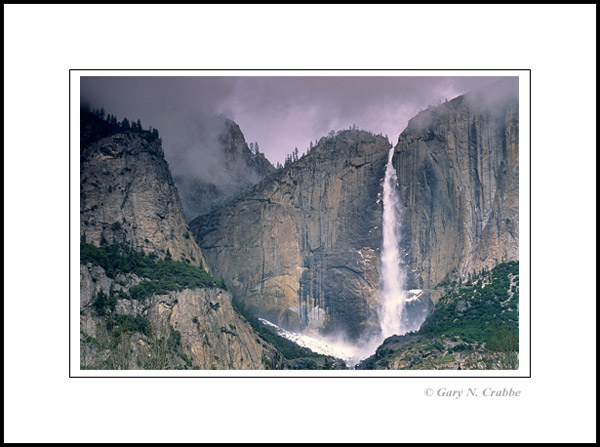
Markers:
{"x": 278, "y": 112}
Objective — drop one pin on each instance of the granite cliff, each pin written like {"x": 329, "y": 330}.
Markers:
{"x": 458, "y": 170}
{"x": 127, "y": 193}
{"x": 301, "y": 248}
{"x": 146, "y": 301}
{"x": 298, "y": 246}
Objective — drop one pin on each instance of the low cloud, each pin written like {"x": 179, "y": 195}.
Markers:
{"x": 278, "y": 112}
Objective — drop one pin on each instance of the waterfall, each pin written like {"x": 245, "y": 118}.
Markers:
{"x": 393, "y": 296}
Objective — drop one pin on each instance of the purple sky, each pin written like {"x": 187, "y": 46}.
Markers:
{"x": 278, "y": 112}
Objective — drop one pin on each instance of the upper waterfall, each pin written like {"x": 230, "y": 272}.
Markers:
{"x": 393, "y": 295}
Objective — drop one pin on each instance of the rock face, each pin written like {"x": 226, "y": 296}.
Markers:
{"x": 458, "y": 170}
{"x": 128, "y": 197}
{"x": 301, "y": 247}
{"x": 218, "y": 168}
{"x": 189, "y": 329}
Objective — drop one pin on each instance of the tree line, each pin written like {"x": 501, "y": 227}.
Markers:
{"x": 124, "y": 124}
{"x": 295, "y": 155}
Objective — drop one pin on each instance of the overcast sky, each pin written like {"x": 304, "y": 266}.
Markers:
{"x": 280, "y": 112}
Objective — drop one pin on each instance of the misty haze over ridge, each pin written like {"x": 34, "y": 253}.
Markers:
{"x": 281, "y": 113}
{"x": 216, "y": 166}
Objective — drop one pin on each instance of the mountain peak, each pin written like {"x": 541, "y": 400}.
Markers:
{"x": 219, "y": 168}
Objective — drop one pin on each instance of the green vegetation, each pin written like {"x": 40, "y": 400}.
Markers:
{"x": 502, "y": 348}
{"x": 115, "y": 337}
{"x": 327, "y": 364}
{"x": 474, "y": 324}
{"x": 222, "y": 284}
{"x": 120, "y": 324}
{"x": 289, "y": 350}
{"x": 104, "y": 304}
{"x": 96, "y": 124}
{"x": 473, "y": 312}
{"x": 161, "y": 275}
{"x": 306, "y": 364}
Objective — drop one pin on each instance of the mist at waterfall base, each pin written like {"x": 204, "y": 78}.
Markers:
{"x": 352, "y": 352}
{"x": 400, "y": 310}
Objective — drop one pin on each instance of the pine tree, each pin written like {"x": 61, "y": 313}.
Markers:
{"x": 125, "y": 124}
{"x": 139, "y": 125}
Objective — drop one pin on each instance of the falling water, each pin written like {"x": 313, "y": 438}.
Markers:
{"x": 393, "y": 296}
